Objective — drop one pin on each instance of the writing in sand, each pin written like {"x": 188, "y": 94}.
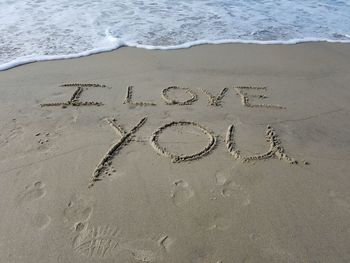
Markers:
{"x": 247, "y": 94}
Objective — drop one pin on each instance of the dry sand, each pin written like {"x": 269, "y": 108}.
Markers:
{"x": 184, "y": 166}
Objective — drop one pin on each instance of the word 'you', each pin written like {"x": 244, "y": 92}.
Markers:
{"x": 275, "y": 148}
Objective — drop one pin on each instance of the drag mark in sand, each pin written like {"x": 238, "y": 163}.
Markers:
{"x": 176, "y": 158}
{"x": 128, "y": 99}
{"x": 74, "y": 100}
{"x": 126, "y": 137}
{"x": 275, "y": 150}
{"x": 245, "y": 97}
{"x": 215, "y": 100}
{"x": 169, "y": 101}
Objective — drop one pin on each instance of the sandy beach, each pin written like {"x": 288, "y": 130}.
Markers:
{"x": 212, "y": 154}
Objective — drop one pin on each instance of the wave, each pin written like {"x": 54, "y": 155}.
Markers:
{"x": 114, "y": 43}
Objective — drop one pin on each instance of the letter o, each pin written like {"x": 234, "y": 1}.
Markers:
{"x": 182, "y": 158}
{"x": 169, "y": 101}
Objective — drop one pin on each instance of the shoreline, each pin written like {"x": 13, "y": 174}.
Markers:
{"x": 116, "y": 44}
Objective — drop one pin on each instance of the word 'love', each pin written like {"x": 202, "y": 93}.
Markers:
{"x": 213, "y": 100}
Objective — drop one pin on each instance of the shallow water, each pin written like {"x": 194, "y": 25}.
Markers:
{"x": 48, "y": 29}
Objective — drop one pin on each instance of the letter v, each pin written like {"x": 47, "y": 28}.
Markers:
{"x": 215, "y": 100}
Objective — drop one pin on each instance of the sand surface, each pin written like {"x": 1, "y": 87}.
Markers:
{"x": 171, "y": 158}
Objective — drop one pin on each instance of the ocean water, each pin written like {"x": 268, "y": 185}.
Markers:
{"x": 34, "y": 30}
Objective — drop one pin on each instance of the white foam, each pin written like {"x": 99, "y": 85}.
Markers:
{"x": 40, "y": 30}
{"x": 110, "y": 43}
{"x": 30, "y": 59}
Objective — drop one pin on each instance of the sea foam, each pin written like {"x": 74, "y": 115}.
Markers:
{"x": 40, "y": 30}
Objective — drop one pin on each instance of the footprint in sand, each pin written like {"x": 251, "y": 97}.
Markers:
{"x": 144, "y": 250}
{"x": 181, "y": 193}
{"x": 78, "y": 209}
{"x": 229, "y": 188}
{"x": 43, "y": 140}
{"x": 107, "y": 242}
{"x": 237, "y": 192}
{"x": 220, "y": 178}
{"x": 97, "y": 242}
{"x": 149, "y": 249}
{"x": 221, "y": 223}
{"x": 14, "y": 134}
{"x": 31, "y": 193}
{"x": 40, "y": 220}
